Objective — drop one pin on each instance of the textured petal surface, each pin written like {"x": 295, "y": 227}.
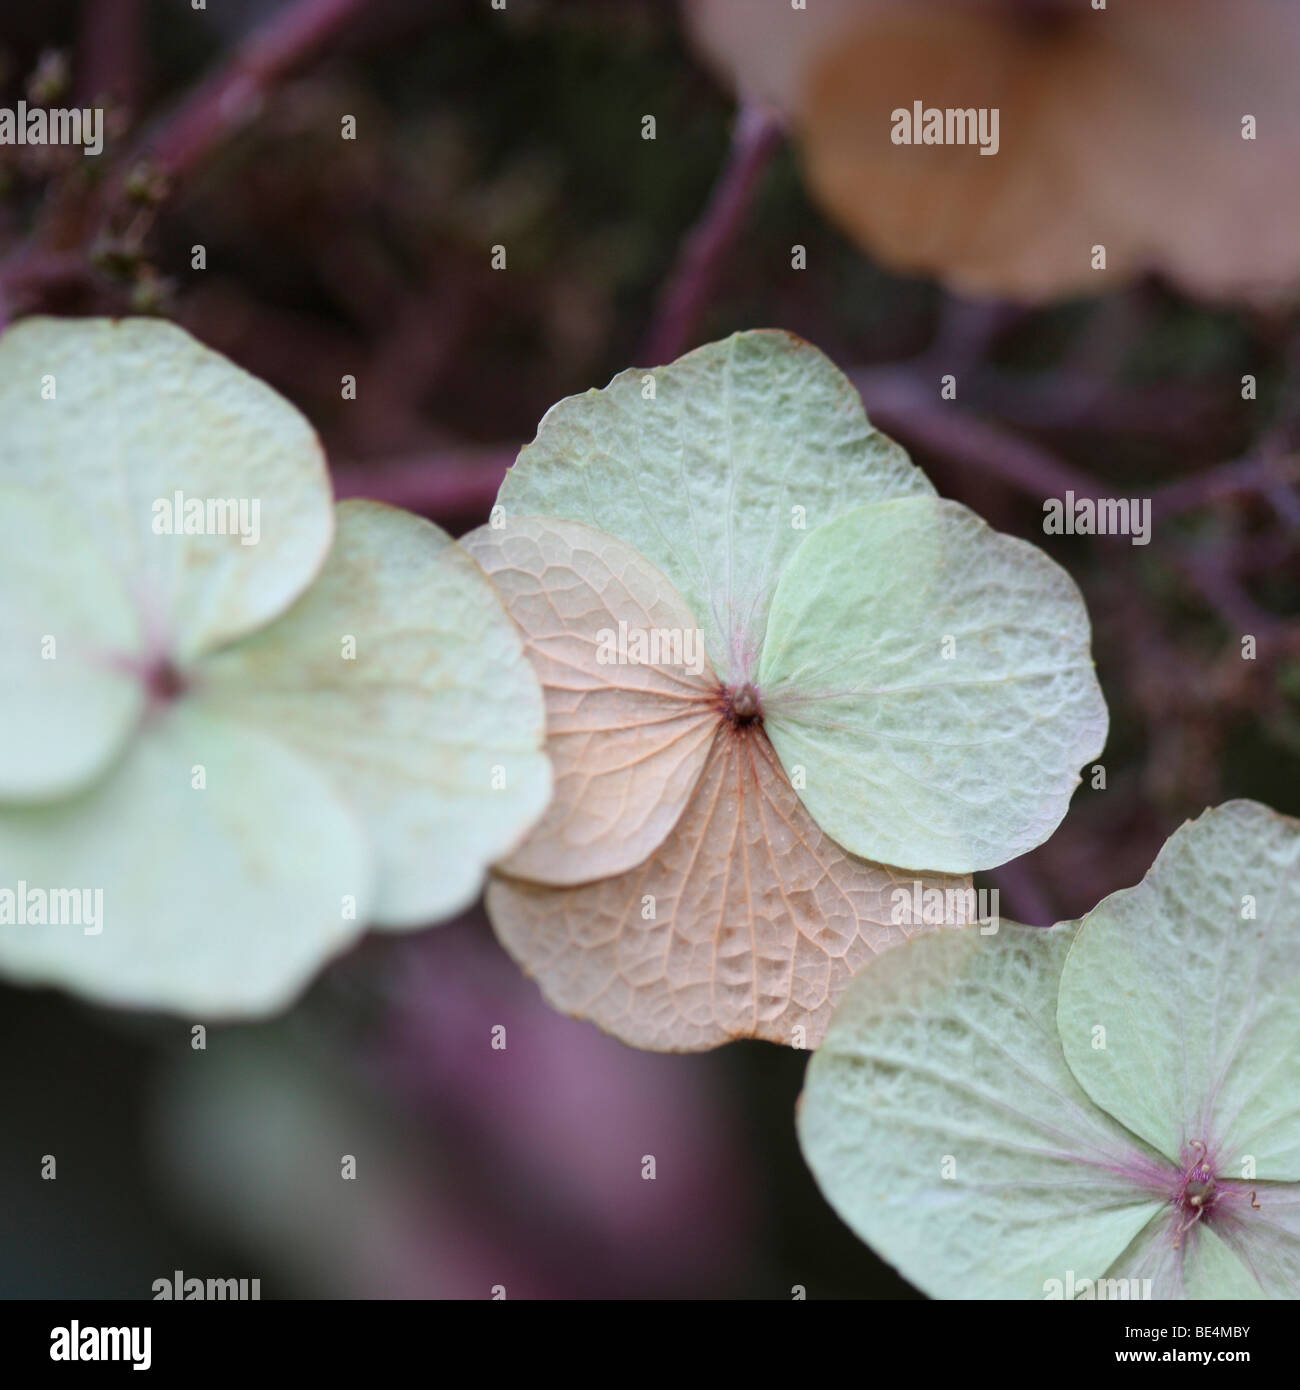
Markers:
{"x": 934, "y": 681}
{"x": 746, "y": 922}
{"x": 943, "y": 1124}
{"x": 628, "y": 739}
{"x": 141, "y": 412}
{"x": 746, "y": 445}
{"x": 65, "y": 706}
{"x": 1200, "y": 1004}
{"x": 400, "y": 674}
{"x": 1264, "y": 1241}
{"x": 1255, "y": 1258}
{"x": 219, "y": 901}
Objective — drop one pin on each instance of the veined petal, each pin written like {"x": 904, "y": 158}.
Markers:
{"x": 943, "y": 1124}
{"x": 628, "y": 734}
{"x": 747, "y": 921}
{"x": 1180, "y": 1002}
{"x": 933, "y": 679}
{"x": 714, "y": 468}
{"x": 68, "y": 697}
{"x": 402, "y": 677}
{"x": 130, "y": 427}
{"x": 227, "y": 870}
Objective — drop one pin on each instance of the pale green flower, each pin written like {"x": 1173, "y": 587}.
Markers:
{"x": 1106, "y": 1109}
{"x": 242, "y": 746}
{"x": 855, "y": 688}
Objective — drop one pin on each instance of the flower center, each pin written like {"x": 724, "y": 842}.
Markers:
{"x": 1199, "y": 1190}
{"x": 1199, "y": 1193}
{"x": 741, "y": 705}
{"x": 164, "y": 683}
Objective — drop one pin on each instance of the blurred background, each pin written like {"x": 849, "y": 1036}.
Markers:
{"x": 523, "y": 128}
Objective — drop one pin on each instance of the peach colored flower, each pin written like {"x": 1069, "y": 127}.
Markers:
{"x": 1163, "y": 131}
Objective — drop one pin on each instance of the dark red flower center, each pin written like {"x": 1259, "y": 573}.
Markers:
{"x": 1199, "y": 1190}
{"x": 164, "y": 683}
{"x": 741, "y": 705}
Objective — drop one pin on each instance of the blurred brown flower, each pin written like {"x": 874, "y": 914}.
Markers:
{"x": 1164, "y": 131}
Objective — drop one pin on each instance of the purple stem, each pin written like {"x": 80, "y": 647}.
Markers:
{"x": 109, "y": 58}
{"x": 222, "y": 103}
{"x": 901, "y": 404}
{"x": 708, "y": 246}
{"x": 906, "y": 406}
{"x": 1251, "y": 474}
{"x": 233, "y": 94}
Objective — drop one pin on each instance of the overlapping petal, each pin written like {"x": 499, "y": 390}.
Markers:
{"x": 933, "y": 680}
{"x": 943, "y": 1124}
{"x": 714, "y": 468}
{"x": 241, "y": 788}
{"x": 1103, "y": 1110}
{"x": 628, "y": 738}
{"x": 399, "y": 674}
{"x": 68, "y": 636}
{"x": 1194, "y": 979}
{"x": 112, "y": 419}
{"x": 748, "y": 921}
{"x": 227, "y": 868}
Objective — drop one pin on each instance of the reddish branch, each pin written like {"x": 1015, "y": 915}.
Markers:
{"x": 905, "y": 404}
{"x": 57, "y": 253}
{"x": 1268, "y": 475}
{"x": 901, "y": 399}
{"x": 109, "y": 59}
{"x": 234, "y": 94}
{"x": 902, "y": 404}
{"x": 711, "y": 241}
